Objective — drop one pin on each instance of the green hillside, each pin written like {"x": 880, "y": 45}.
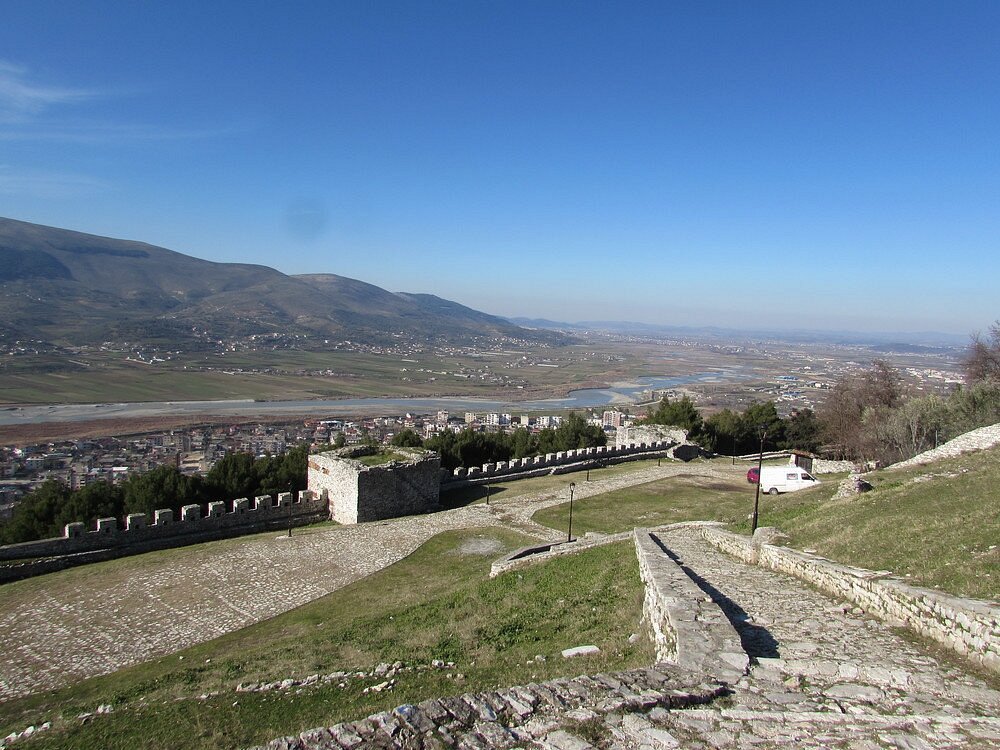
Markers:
{"x": 938, "y": 525}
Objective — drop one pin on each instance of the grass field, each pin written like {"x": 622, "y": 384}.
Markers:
{"x": 687, "y": 497}
{"x": 436, "y": 604}
{"x": 937, "y": 524}
{"x": 287, "y": 375}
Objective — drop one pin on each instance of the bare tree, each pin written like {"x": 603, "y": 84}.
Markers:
{"x": 982, "y": 360}
{"x": 856, "y": 412}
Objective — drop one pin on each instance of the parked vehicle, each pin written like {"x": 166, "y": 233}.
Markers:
{"x": 753, "y": 475}
{"x": 775, "y": 479}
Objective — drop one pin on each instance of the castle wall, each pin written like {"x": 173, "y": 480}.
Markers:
{"x": 359, "y": 493}
{"x": 649, "y": 433}
{"x": 246, "y": 516}
{"x": 563, "y": 462}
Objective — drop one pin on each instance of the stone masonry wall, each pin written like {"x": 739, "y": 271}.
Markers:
{"x": 195, "y": 520}
{"x": 553, "y": 463}
{"x": 968, "y": 626}
{"x": 359, "y": 493}
{"x": 689, "y": 628}
{"x": 649, "y": 434}
{"x": 538, "y": 553}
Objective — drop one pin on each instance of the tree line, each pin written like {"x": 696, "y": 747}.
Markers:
{"x": 872, "y": 416}
{"x": 734, "y": 433}
{"x": 471, "y": 448}
{"x": 43, "y": 513}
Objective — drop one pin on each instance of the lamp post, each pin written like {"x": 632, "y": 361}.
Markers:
{"x": 760, "y": 463}
{"x": 289, "y": 516}
{"x": 569, "y": 535}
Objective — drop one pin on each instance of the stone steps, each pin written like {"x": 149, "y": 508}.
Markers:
{"x": 511, "y": 717}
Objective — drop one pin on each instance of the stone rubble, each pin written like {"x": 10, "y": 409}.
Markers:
{"x": 384, "y": 670}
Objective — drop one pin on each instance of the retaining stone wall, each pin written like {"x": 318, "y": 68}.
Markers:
{"x": 216, "y": 521}
{"x": 689, "y": 628}
{"x": 976, "y": 440}
{"x": 969, "y": 626}
{"x": 526, "y": 556}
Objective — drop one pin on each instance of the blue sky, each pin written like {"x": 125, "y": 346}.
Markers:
{"x": 799, "y": 164}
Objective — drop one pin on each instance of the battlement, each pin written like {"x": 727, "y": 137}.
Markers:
{"x": 214, "y": 519}
{"x": 555, "y": 463}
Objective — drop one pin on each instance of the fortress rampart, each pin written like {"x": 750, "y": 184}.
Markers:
{"x": 553, "y": 463}
{"x": 407, "y": 485}
{"x": 341, "y": 487}
{"x": 194, "y": 523}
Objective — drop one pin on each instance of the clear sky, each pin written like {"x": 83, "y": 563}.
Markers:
{"x": 809, "y": 164}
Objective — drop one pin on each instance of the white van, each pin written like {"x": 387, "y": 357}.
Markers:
{"x": 775, "y": 479}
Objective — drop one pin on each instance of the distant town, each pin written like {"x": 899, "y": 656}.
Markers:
{"x": 195, "y": 450}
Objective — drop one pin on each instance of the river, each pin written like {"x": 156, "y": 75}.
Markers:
{"x": 587, "y": 398}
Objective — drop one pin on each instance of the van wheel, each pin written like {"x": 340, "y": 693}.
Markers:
{"x": 773, "y": 491}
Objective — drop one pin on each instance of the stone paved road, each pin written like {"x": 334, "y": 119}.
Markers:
{"x": 157, "y": 604}
{"x": 820, "y": 675}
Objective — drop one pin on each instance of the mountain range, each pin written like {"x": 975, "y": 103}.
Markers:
{"x": 71, "y": 288}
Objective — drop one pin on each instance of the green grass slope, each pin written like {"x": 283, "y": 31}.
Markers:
{"x": 938, "y": 525}
{"x": 438, "y": 603}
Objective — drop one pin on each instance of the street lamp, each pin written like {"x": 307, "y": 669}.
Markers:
{"x": 760, "y": 463}
{"x": 569, "y": 536}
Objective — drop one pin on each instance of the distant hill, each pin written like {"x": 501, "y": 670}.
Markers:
{"x": 924, "y": 342}
{"x": 71, "y": 288}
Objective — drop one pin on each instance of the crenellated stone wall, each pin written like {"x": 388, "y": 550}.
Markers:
{"x": 196, "y": 523}
{"x": 562, "y": 462}
{"x": 359, "y": 493}
{"x": 969, "y": 626}
{"x": 650, "y": 433}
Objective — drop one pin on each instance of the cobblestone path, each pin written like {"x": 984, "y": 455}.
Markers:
{"x": 150, "y": 605}
{"x": 821, "y": 675}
